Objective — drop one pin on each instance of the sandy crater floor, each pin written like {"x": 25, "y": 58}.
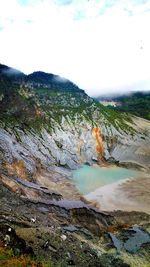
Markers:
{"x": 132, "y": 194}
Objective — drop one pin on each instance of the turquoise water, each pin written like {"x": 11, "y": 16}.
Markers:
{"x": 88, "y": 179}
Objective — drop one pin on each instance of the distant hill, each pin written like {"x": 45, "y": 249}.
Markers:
{"x": 39, "y": 97}
{"x": 10, "y": 74}
{"x": 9, "y": 77}
{"x": 137, "y": 103}
{"x": 51, "y": 81}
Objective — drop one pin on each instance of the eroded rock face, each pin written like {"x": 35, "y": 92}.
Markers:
{"x": 71, "y": 145}
{"x": 48, "y": 123}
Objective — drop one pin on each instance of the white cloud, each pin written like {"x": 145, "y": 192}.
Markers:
{"x": 98, "y": 52}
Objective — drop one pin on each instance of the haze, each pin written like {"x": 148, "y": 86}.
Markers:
{"x": 102, "y": 46}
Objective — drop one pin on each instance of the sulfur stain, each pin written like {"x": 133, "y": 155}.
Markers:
{"x": 96, "y": 132}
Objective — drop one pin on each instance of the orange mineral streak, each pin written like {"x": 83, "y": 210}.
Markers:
{"x": 99, "y": 141}
{"x": 38, "y": 113}
{"x": 17, "y": 168}
{"x": 99, "y": 145}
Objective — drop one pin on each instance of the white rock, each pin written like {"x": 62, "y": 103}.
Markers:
{"x": 33, "y": 220}
{"x": 63, "y": 237}
{"x": 7, "y": 239}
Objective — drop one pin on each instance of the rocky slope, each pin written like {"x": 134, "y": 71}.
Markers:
{"x": 48, "y": 126}
{"x": 52, "y": 125}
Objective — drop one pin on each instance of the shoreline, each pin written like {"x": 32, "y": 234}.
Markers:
{"x": 130, "y": 194}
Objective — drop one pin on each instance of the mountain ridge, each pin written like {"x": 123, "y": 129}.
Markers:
{"x": 37, "y": 77}
{"x": 46, "y": 131}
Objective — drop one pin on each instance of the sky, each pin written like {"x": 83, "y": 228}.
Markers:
{"x": 101, "y": 45}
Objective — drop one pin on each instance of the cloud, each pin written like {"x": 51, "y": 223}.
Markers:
{"x": 24, "y": 2}
{"x": 10, "y": 71}
{"x": 63, "y": 2}
{"x": 1, "y": 28}
{"x": 60, "y": 79}
{"x": 96, "y": 44}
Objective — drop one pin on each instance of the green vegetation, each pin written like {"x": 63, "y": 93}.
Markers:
{"x": 136, "y": 103}
{"x": 9, "y": 257}
{"x": 117, "y": 119}
{"x": 40, "y": 100}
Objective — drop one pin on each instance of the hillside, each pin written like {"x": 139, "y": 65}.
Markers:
{"x": 137, "y": 103}
{"x": 49, "y": 127}
{"x": 41, "y": 104}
